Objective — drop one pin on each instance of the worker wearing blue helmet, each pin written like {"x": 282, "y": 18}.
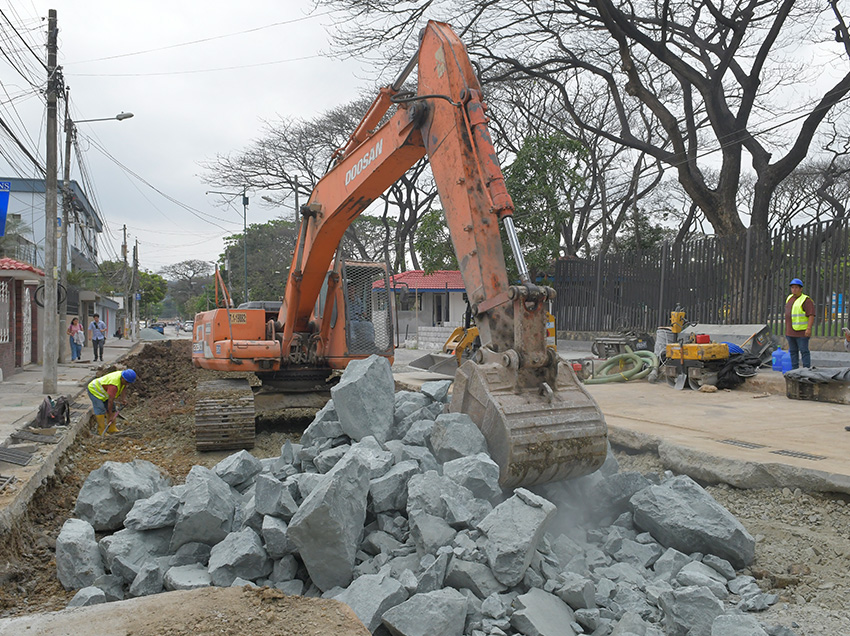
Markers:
{"x": 799, "y": 320}
{"x": 103, "y": 392}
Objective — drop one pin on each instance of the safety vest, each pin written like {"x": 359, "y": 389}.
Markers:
{"x": 799, "y": 321}
{"x": 97, "y": 387}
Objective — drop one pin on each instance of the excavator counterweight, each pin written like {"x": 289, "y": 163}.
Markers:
{"x": 539, "y": 422}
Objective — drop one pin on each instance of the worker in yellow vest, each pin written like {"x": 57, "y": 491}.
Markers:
{"x": 799, "y": 320}
{"x": 103, "y": 392}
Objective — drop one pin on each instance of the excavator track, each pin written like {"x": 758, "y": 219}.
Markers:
{"x": 224, "y": 415}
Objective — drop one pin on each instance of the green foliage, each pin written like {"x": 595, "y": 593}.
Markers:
{"x": 641, "y": 232}
{"x": 539, "y": 182}
{"x": 153, "y": 288}
{"x": 434, "y": 244}
{"x": 270, "y": 246}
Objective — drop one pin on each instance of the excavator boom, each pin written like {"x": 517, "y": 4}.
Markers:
{"x": 540, "y": 423}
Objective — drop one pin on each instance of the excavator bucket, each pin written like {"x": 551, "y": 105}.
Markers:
{"x": 442, "y": 363}
{"x": 535, "y": 434}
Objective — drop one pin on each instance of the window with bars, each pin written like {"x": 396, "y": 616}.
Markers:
{"x": 5, "y": 311}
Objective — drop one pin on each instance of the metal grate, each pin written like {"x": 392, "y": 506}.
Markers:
{"x": 368, "y": 309}
{"x": 15, "y": 457}
{"x": 798, "y": 454}
{"x": 737, "y": 442}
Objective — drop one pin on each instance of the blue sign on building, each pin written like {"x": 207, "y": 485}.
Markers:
{"x": 5, "y": 188}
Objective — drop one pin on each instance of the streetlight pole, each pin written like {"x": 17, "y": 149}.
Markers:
{"x": 244, "y": 195}
{"x": 66, "y": 221}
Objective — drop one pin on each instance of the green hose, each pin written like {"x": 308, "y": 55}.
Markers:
{"x": 643, "y": 362}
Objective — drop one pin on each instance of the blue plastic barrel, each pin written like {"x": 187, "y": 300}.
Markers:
{"x": 776, "y": 363}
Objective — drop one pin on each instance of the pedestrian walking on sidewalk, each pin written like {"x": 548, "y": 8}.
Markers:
{"x": 76, "y": 338}
{"x": 97, "y": 335}
{"x": 103, "y": 392}
{"x": 799, "y": 320}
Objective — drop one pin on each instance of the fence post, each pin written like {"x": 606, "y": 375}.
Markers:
{"x": 665, "y": 248}
{"x": 598, "y": 302}
{"x": 747, "y": 276}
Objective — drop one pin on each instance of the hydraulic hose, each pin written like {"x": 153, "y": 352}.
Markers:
{"x": 643, "y": 362}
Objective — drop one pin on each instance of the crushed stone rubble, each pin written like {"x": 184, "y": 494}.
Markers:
{"x": 393, "y": 507}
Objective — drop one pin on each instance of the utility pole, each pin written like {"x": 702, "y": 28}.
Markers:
{"x": 126, "y": 284}
{"x": 135, "y": 323}
{"x": 66, "y": 218}
{"x": 245, "y": 236}
{"x": 50, "y": 349}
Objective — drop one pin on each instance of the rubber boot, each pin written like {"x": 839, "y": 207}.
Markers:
{"x": 101, "y": 423}
{"x": 112, "y": 428}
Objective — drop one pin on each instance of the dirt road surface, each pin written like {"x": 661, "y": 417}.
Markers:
{"x": 802, "y": 550}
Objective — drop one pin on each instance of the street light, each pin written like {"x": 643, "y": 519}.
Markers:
{"x": 244, "y": 196}
{"x": 66, "y": 209}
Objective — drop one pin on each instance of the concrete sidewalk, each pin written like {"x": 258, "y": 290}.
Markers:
{"x": 20, "y": 397}
{"x": 752, "y": 437}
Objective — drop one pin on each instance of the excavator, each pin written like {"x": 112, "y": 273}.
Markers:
{"x": 539, "y": 422}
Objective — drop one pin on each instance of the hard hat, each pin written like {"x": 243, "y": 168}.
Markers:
{"x": 128, "y": 375}
{"x": 796, "y": 281}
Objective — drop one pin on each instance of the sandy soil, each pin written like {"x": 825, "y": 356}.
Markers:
{"x": 802, "y": 550}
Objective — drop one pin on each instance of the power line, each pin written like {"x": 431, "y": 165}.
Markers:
{"x": 197, "y": 213}
{"x": 209, "y": 39}
{"x": 202, "y": 70}
{"x": 23, "y": 148}
{"x": 26, "y": 44}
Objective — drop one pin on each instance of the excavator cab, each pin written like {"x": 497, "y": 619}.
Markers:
{"x": 368, "y": 309}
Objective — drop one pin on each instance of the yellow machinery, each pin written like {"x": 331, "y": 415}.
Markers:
{"x": 694, "y": 362}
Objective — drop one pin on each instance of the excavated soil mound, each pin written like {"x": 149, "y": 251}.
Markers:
{"x": 204, "y": 612}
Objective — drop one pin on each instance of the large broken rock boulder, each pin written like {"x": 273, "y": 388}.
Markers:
{"x": 455, "y": 435}
{"x": 364, "y": 398}
{"x": 328, "y": 524}
{"x": 440, "y": 612}
{"x": 682, "y": 515}
{"x": 206, "y": 509}
{"x": 157, "y": 511}
{"x": 238, "y": 468}
{"x": 78, "y": 561}
{"x": 240, "y": 554}
{"x": 127, "y": 551}
{"x": 370, "y": 596}
{"x": 543, "y": 614}
{"x": 514, "y": 529}
{"x": 110, "y": 491}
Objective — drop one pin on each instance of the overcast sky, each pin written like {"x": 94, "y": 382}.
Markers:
{"x": 191, "y": 100}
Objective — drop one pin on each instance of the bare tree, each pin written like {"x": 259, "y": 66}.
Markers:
{"x": 292, "y": 155}
{"x": 715, "y": 79}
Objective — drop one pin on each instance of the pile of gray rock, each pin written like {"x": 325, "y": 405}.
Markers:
{"x": 393, "y": 507}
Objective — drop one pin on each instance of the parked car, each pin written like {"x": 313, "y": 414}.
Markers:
{"x": 189, "y": 325}
{"x": 158, "y": 326}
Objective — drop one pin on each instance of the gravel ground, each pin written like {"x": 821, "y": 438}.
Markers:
{"x": 802, "y": 550}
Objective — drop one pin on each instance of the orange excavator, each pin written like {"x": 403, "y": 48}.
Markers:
{"x": 540, "y": 423}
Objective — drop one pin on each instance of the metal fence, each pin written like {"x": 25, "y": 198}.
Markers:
{"x": 738, "y": 279}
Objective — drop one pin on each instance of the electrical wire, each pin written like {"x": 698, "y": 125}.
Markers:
{"x": 209, "y": 39}
{"x": 197, "y": 213}
{"x": 196, "y": 71}
{"x": 26, "y": 44}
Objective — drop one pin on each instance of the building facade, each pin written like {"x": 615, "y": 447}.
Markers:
{"x": 20, "y": 343}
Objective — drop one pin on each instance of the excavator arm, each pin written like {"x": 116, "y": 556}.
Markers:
{"x": 539, "y": 422}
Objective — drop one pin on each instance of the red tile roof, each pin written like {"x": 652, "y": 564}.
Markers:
{"x": 441, "y": 280}
{"x": 11, "y": 263}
